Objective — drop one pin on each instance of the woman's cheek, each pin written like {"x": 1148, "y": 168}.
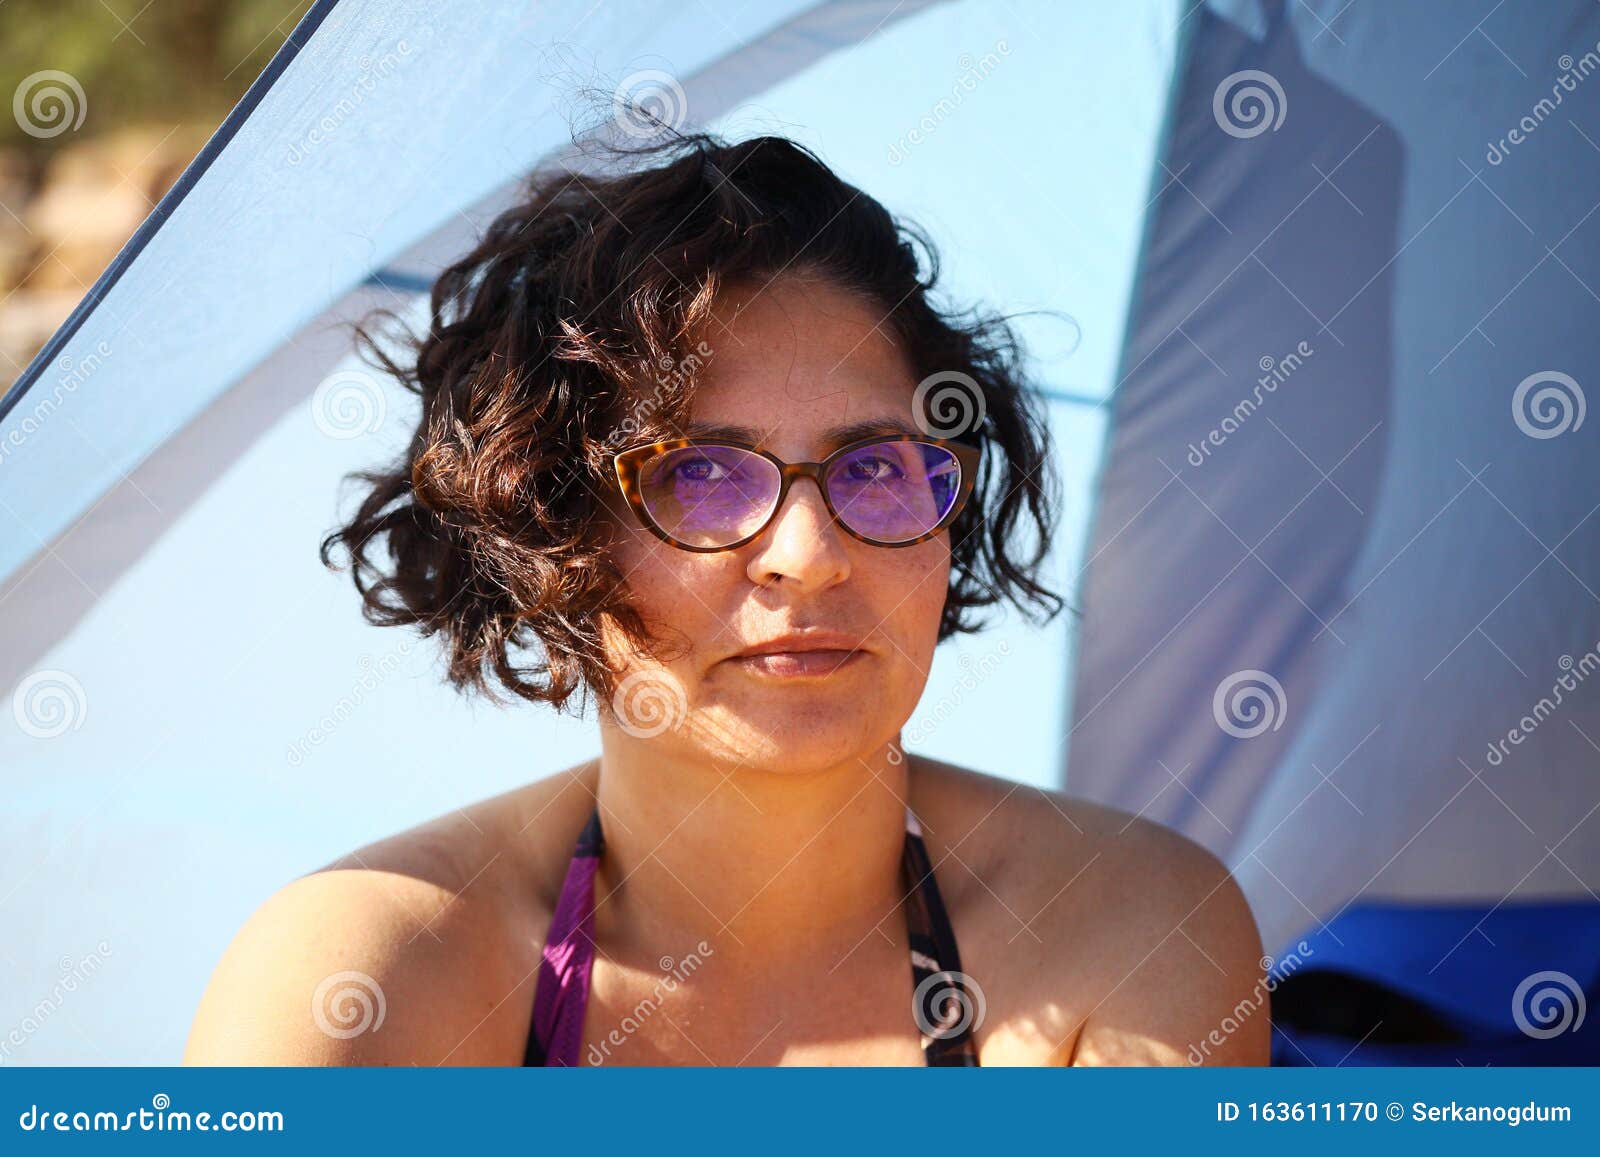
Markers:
{"x": 912, "y": 590}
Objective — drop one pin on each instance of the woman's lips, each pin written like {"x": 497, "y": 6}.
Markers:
{"x": 795, "y": 664}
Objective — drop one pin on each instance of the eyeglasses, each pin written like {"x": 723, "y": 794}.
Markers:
{"x": 710, "y": 495}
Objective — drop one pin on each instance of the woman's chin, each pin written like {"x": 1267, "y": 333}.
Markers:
{"x": 794, "y": 738}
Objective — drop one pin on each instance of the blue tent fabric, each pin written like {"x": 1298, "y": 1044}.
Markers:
{"x": 1343, "y": 610}
{"x": 1228, "y": 376}
{"x": 1500, "y": 979}
{"x": 1310, "y": 1050}
{"x": 1465, "y": 960}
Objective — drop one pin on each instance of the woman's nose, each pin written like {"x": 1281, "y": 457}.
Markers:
{"x": 802, "y": 543}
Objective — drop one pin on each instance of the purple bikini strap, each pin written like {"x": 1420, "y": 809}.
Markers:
{"x": 563, "y": 986}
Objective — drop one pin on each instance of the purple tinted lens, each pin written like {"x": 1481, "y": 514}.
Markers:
{"x": 709, "y": 496}
{"x": 894, "y": 491}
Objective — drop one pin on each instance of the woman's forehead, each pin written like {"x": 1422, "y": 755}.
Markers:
{"x": 806, "y": 328}
{"x": 800, "y": 354}
{"x": 824, "y": 435}
{"x": 764, "y": 400}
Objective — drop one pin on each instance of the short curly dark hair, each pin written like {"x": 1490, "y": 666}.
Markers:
{"x": 545, "y": 355}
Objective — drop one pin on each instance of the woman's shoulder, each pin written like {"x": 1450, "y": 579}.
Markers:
{"x": 1010, "y": 825}
{"x": 424, "y": 944}
{"x": 507, "y": 849}
{"x": 1127, "y": 941}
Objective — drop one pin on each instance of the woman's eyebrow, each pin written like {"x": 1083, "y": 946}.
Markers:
{"x": 834, "y": 436}
{"x": 871, "y": 428}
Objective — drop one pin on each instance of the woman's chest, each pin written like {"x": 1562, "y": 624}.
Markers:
{"x": 871, "y": 1012}
{"x": 701, "y": 1010}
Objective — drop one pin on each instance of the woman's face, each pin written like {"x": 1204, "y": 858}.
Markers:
{"x": 791, "y": 362}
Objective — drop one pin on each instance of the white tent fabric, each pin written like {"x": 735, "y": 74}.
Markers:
{"x": 198, "y": 712}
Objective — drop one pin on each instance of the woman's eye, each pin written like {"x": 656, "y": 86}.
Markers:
{"x": 875, "y": 469}
{"x": 697, "y": 470}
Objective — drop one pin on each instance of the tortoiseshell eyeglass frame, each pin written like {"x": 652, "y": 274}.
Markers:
{"x": 630, "y": 462}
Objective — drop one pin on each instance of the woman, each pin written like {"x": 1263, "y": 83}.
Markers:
{"x": 611, "y": 387}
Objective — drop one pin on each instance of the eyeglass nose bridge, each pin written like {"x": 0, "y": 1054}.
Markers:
{"x": 792, "y": 472}
{"x": 788, "y": 474}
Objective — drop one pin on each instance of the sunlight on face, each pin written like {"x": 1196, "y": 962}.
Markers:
{"x": 795, "y": 360}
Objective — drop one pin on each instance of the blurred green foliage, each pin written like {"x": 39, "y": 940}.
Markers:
{"x": 161, "y": 60}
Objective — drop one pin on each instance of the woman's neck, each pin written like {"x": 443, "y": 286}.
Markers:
{"x": 761, "y": 863}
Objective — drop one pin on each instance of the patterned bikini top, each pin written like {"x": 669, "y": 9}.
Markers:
{"x": 941, "y": 1002}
